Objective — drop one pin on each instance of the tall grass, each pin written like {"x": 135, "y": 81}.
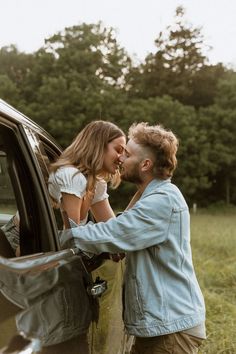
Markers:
{"x": 214, "y": 255}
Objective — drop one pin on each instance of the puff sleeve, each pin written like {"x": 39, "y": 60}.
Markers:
{"x": 67, "y": 180}
{"x": 100, "y": 192}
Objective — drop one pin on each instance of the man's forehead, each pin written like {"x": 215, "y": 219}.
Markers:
{"x": 132, "y": 147}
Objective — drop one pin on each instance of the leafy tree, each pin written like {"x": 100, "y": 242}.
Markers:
{"x": 178, "y": 68}
{"x": 225, "y": 96}
{"x": 89, "y": 49}
{"x": 219, "y": 121}
{"x": 193, "y": 164}
{"x": 15, "y": 64}
{"x": 14, "y": 68}
{"x": 219, "y": 126}
{"x": 82, "y": 74}
{"x": 9, "y": 90}
{"x": 76, "y": 75}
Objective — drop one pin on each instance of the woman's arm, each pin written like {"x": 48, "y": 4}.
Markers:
{"x": 71, "y": 204}
{"x": 102, "y": 211}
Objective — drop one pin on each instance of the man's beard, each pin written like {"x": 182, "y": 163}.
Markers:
{"x": 132, "y": 175}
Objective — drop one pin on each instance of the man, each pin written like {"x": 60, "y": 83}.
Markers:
{"x": 163, "y": 304}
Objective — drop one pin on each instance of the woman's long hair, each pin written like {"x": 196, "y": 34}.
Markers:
{"x": 86, "y": 152}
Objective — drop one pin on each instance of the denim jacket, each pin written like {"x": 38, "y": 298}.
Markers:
{"x": 161, "y": 292}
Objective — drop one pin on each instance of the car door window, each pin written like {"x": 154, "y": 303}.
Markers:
{"x": 24, "y": 192}
{"x": 46, "y": 154}
{"x": 9, "y": 232}
{"x": 51, "y": 156}
{"x": 8, "y": 205}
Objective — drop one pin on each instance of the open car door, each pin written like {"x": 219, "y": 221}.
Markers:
{"x": 37, "y": 285}
{"x": 44, "y": 287}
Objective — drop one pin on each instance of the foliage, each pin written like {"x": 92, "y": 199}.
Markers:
{"x": 218, "y": 122}
{"x": 74, "y": 76}
{"x": 8, "y": 89}
{"x": 82, "y": 74}
{"x": 178, "y": 68}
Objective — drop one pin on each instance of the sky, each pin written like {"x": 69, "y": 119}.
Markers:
{"x": 26, "y": 23}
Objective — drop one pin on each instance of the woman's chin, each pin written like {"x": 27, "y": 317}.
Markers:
{"x": 112, "y": 170}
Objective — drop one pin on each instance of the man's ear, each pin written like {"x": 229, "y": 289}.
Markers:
{"x": 146, "y": 165}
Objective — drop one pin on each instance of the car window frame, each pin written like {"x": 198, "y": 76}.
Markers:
{"x": 33, "y": 204}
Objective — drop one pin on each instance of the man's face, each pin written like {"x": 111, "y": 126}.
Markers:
{"x": 130, "y": 168}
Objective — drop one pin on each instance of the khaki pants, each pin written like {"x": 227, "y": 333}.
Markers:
{"x": 174, "y": 343}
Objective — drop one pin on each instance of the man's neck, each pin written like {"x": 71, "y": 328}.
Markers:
{"x": 140, "y": 189}
{"x": 142, "y": 186}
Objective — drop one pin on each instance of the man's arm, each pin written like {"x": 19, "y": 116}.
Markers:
{"x": 144, "y": 225}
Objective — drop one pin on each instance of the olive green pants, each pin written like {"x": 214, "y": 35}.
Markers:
{"x": 174, "y": 343}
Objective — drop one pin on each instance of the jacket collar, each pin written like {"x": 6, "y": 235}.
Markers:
{"x": 154, "y": 184}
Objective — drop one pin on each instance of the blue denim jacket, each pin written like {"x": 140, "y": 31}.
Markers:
{"x": 161, "y": 292}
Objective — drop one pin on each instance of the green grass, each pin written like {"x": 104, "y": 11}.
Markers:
{"x": 214, "y": 255}
{"x": 8, "y": 209}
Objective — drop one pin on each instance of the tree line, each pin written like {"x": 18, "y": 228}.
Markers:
{"x": 82, "y": 74}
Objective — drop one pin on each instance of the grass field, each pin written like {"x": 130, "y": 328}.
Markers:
{"x": 214, "y": 255}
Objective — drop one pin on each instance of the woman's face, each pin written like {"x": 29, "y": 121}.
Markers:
{"x": 112, "y": 155}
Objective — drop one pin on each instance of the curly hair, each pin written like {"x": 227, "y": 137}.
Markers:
{"x": 162, "y": 143}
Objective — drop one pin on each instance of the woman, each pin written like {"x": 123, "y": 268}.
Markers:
{"x": 78, "y": 179}
{"x": 78, "y": 184}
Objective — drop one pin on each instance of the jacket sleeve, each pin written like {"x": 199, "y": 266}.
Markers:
{"x": 143, "y": 226}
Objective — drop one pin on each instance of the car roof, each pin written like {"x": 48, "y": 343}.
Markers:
{"x": 17, "y": 117}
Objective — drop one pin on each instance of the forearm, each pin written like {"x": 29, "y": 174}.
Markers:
{"x": 133, "y": 230}
{"x": 102, "y": 211}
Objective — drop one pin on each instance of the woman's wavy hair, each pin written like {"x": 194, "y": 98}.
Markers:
{"x": 86, "y": 152}
{"x": 162, "y": 144}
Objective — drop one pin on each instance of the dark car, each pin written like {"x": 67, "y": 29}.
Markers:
{"x": 26, "y": 151}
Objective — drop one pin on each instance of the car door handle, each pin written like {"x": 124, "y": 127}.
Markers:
{"x": 37, "y": 261}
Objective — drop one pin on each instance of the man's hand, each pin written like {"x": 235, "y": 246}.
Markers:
{"x": 116, "y": 257}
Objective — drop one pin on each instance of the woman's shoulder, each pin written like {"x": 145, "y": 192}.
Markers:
{"x": 67, "y": 169}
{"x": 69, "y": 173}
